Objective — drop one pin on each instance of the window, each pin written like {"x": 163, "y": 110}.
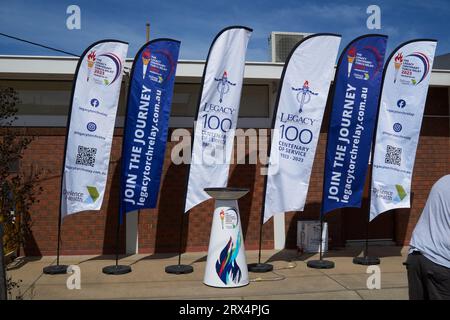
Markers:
{"x": 45, "y": 103}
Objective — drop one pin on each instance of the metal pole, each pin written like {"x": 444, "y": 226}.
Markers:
{"x": 181, "y": 239}
{"x": 59, "y": 240}
{"x": 263, "y": 207}
{"x": 147, "y": 32}
{"x": 117, "y": 235}
{"x": 260, "y": 241}
{"x": 321, "y": 233}
{"x": 120, "y": 269}
{"x": 366, "y": 248}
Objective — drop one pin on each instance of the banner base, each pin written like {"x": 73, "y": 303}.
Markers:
{"x": 57, "y": 269}
{"x": 320, "y": 264}
{"x": 179, "y": 269}
{"x": 260, "y": 267}
{"x": 366, "y": 261}
{"x": 116, "y": 269}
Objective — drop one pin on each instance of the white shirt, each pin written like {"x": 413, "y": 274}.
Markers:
{"x": 431, "y": 235}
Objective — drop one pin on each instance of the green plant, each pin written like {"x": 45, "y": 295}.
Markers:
{"x": 19, "y": 186}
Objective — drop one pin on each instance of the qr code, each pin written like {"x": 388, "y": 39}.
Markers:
{"x": 86, "y": 156}
{"x": 393, "y": 155}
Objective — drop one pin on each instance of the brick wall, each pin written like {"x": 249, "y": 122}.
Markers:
{"x": 94, "y": 232}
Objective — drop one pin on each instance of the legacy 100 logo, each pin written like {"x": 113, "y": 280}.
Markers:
{"x": 292, "y": 133}
{"x": 223, "y": 86}
{"x": 217, "y": 122}
{"x": 304, "y": 95}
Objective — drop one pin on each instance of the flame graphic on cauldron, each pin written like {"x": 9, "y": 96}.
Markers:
{"x": 226, "y": 266}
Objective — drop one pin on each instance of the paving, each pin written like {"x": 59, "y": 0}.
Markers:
{"x": 291, "y": 278}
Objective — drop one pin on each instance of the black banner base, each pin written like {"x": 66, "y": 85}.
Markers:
{"x": 179, "y": 269}
{"x": 116, "y": 269}
{"x": 260, "y": 267}
{"x": 320, "y": 264}
{"x": 366, "y": 261}
{"x": 56, "y": 269}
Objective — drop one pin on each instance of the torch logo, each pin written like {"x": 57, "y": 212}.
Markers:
{"x": 145, "y": 62}
{"x": 90, "y": 60}
{"x": 228, "y": 218}
{"x": 223, "y": 87}
{"x": 351, "y": 58}
{"x": 398, "y": 60}
{"x": 304, "y": 95}
{"x": 222, "y": 217}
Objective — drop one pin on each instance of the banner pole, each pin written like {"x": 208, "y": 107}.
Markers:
{"x": 260, "y": 242}
{"x": 180, "y": 241}
{"x": 347, "y": 71}
{"x": 60, "y": 269}
{"x": 59, "y": 240}
{"x": 117, "y": 238}
{"x": 276, "y": 205}
{"x": 183, "y": 268}
{"x": 366, "y": 260}
{"x": 320, "y": 243}
{"x": 324, "y": 264}
{"x": 366, "y": 246}
{"x": 262, "y": 267}
{"x": 120, "y": 269}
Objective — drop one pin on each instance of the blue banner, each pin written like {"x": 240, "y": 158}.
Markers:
{"x": 354, "y": 112}
{"x": 146, "y": 124}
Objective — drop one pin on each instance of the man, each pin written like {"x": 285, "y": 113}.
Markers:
{"x": 428, "y": 261}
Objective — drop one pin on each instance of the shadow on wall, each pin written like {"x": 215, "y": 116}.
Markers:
{"x": 30, "y": 246}
{"x": 171, "y": 211}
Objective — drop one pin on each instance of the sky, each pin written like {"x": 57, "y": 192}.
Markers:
{"x": 195, "y": 23}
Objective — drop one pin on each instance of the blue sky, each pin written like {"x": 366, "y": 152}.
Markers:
{"x": 195, "y": 23}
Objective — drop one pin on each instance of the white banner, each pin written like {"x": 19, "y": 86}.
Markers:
{"x": 305, "y": 85}
{"x": 217, "y": 114}
{"x": 91, "y": 127}
{"x": 402, "y": 105}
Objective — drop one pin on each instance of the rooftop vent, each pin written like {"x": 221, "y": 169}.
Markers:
{"x": 281, "y": 44}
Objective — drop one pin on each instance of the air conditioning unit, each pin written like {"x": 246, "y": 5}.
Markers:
{"x": 308, "y": 236}
{"x": 281, "y": 44}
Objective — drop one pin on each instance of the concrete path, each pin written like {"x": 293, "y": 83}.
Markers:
{"x": 291, "y": 278}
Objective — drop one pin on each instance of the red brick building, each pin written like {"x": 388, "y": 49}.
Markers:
{"x": 44, "y": 85}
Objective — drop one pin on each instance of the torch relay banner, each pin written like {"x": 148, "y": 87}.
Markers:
{"x": 306, "y": 81}
{"x": 92, "y": 116}
{"x": 217, "y": 113}
{"x": 405, "y": 88}
{"x": 354, "y": 111}
{"x": 147, "y": 122}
